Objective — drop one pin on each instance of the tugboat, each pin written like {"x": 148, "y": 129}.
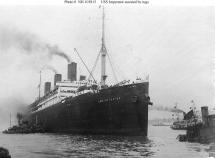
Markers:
{"x": 188, "y": 118}
{"x": 200, "y": 131}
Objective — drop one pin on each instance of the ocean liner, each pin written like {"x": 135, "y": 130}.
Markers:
{"x": 87, "y": 107}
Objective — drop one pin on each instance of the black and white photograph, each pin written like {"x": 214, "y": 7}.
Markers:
{"x": 109, "y": 79}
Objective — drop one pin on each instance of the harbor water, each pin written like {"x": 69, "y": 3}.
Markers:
{"x": 161, "y": 143}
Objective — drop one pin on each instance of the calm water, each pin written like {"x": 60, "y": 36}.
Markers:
{"x": 162, "y": 143}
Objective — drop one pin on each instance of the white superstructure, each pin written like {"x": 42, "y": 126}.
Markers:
{"x": 63, "y": 90}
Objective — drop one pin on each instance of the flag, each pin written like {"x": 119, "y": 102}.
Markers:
{"x": 189, "y": 115}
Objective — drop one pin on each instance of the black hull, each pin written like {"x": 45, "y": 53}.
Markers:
{"x": 119, "y": 110}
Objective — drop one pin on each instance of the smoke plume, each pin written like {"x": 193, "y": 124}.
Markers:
{"x": 22, "y": 53}
{"x": 28, "y": 43}
{"x": 54, "y": 50}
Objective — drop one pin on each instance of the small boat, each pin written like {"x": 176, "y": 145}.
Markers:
{"x": 160, "y": 124}
{"x": 179, "y": 125}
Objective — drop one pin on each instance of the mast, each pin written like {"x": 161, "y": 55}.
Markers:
{"x": 10, "y": 119}
{"x": 40, "y": 85}
{"x": 103, "y": 52}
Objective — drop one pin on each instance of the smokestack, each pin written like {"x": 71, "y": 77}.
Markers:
{"x": 72, "y": 71}
{"x": 82, "y": 77}
{"x": 57, "y": 78}
{"x": 47, "y": 87}
{"x": 204, "y": 110}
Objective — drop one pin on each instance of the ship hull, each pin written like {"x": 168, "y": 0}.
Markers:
{"x": 119, "y": 110}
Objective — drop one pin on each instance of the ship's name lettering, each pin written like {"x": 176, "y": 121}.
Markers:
{"x": 108, "y": 99}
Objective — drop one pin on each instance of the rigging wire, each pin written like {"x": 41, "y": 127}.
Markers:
{"x": 114, "y": 74}
{"x": 94, "y": 66}
{"x": 111, "y": 64}
{"x": 84, "y": 64}
{"x": 103, "y": 45}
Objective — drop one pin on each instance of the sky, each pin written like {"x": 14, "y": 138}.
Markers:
{"x": 173, "y": 45}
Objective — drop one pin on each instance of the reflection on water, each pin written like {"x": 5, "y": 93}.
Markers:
{"x": 161, "y": 142}
{"x": 73, "y": 145}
